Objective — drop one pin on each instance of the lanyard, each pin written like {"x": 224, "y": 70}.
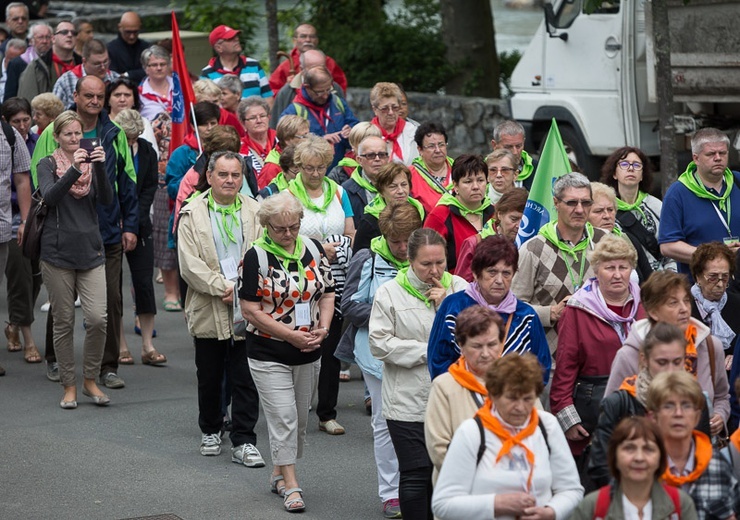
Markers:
{"x": 580, "y": 275}
{"x": 722, "y": 218}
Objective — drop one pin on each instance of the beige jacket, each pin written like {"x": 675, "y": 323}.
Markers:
{"x": 206, "y": 315}
{"x": 399, "y": 332}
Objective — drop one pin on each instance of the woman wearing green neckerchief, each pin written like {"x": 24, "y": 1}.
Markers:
{"x": 400, "y": 323}
{"x": 393, "y": 183}
{"x": 464, "y": 212}
{"x": 629, "y": 172}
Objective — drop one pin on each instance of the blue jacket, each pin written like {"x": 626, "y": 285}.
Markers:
{"x": 181, "y": 160}
{"x": 525, "y": 335}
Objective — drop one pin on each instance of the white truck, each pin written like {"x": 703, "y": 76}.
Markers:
{"x": 595, "y": 73}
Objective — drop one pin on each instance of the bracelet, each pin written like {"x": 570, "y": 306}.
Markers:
{"x": 23, "y": 221}
{"x": 323, "y": 328}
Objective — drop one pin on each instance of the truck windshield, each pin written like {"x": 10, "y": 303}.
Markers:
{"x": 568, "y": 10}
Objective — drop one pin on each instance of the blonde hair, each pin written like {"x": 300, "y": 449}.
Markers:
{"x": 65, "y": 119}
{"x": 501, "y": 153}
{"x": 385, "y": 90}
{"x": 360, "y": 131}
{"x": 612, "y": 247}
{"x": 130, "y": 122}
{"x": 289, "y": 126}
{"x": 680, "y": 383}
{"x": 206, "y": 88}
{"x": 599, "y": 189}
{"x": 48, "y": 103}
{"x": 283, "y": 203}
{"x": 313, "y": 146}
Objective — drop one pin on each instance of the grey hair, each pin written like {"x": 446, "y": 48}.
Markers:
{"x": 251, "y": 101}
{"x": 613, "y": 247}
{"x": 231, "y": 83}
{"x": 708, "y": 136}
{"x": 155, "y": 51}
{"x": 599, "y": 189}
{"x": 508, "y": 127}
{"x": 570, "y": 180}
{"x": 17, "y": 43}
{"x": 368, "y": 137}
{"x": 35, "y": 26}
{"x": 130, "y": 122}
{"x": 13, "y": 5}
{"x": 283, "y": 203}
{"x": 225, "y": 154}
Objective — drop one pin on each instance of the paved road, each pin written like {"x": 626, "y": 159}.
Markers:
{"x": 139, "y": 457}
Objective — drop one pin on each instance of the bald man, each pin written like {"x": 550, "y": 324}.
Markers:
{"x": 125, "y": 51}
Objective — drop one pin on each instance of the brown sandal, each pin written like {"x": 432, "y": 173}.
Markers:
{"x": 125, "y": 358}
{"x": 31, "y": 354}
{"x": 153, "y": 358}
{"x": 12, "y": 332}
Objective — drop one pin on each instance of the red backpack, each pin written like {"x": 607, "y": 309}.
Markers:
{"x": 604, "y": 499}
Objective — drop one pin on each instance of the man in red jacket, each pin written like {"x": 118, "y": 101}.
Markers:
{"x": 304, "y": 38}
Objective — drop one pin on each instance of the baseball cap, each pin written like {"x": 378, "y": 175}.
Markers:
{"x": 222, "y": 32}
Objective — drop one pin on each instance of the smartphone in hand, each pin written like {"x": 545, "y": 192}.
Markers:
{"x": 89, "y": 145}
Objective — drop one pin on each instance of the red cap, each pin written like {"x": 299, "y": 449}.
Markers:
{"x": 222, "y": 32}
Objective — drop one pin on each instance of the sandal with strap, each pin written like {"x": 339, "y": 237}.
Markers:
{"x": 296, "y": 505}
{"x": 275, "y": 487}
{"x": 31, "y": 354}
{"x": 12, "y": 332}
{"x": 125, "y": 358}
{"x": 153, "y": 358}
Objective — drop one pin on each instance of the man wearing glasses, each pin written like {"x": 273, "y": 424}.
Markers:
{"x": 95, "y": 62}
{"x": 510, "y": 136}
{"x": 125, "y": 50}
{"x": 43, "y": 72}
{"x": 554, "y": 264}
{"x": 372, "y": 154}
{"x": 704, "y": 205}
{"x": 16, "y": 18}
{"x": 328, "y": 115}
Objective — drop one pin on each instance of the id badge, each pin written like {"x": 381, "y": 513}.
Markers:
{"x": 731, "y": 240}
{"x": 229, "y": 268}
{"x": 303, "y": 314}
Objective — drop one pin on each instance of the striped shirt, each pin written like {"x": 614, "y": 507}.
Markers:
{"x": 250, "y": 72}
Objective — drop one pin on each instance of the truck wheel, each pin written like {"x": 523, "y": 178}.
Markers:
{"x": 589, "y": 164}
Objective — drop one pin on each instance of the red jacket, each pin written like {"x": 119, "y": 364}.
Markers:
{"x": 422, "y": 191}
{"x": 279, "y": 76}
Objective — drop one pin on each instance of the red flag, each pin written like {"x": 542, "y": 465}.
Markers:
{"x": 183, "y": 96}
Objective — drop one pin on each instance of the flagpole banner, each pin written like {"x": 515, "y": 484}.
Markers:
{"x": 183, "y": 96}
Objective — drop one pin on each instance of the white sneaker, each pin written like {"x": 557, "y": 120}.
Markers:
{"x": 210, "y": 445}
{"x": 248, "y": 455}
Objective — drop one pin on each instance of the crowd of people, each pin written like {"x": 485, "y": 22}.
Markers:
{"x": 596, "y": 359}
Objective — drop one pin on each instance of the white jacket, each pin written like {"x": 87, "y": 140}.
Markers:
{"x": 399, "y": 332}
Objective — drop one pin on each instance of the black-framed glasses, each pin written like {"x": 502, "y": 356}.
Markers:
{"x": 586, "y": 203}
{"x": 374, "y": 155}
{"x": 625, "y": 165}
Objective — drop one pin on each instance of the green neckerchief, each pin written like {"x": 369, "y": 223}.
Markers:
{"x": 378, "y": 204}
{"x": 403, "y": 280}
{"x": 297, "y": 188}
{"x": 192, "y": 197}
{"x": 348, "y": 161}
{"x": 362, "y": 181}
{"x": 273, "y": 157}
{"x": 379, "y": 246}
{"x": 624, "y": 206}
{"x": 422, "y": 168}
{"x": 488, "y": 230}
{"x": 695, "y": 186}
{"x": 527, "y": 167}
{"x": 280, "y": 181}
{"x": 266, "y": 243}
{"x": 549, "y": 231}
{"x": 450, "y": 200}
{"x": 228, "y": 218}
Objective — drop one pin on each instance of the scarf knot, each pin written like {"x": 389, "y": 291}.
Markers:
{"x": 506, "y": 306}
{"x": 703, "y": 454}
{"x": 402, "y": 278}
{"x": 82, "y": 185}
{"x": 230, "y": 218}
{"x": 392, "y": 136}
{"x": 460, "y": 373}
{"x": 283, "y": 256}
{"x": 379, "y": 246}
{"x": 297, "y": 188}
{"x": 712, "y": 311}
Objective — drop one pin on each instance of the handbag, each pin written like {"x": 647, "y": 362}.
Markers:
{"x": 31, "y": 245}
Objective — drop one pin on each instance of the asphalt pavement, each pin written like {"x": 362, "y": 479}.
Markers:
{"x": 139, "y": 457}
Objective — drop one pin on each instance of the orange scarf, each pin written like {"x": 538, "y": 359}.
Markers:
{"x": 493, "y": 425}
{"x": 691, "y": 354}
{"x": 629, "y": 385}
{"x": 465, "y": 377}
{"x": 735, "y": 439}
{"x": 703, "y": 454}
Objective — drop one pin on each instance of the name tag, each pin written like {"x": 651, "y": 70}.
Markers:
{"x": 303, "y": 314}
{"x": 229, "y": 268}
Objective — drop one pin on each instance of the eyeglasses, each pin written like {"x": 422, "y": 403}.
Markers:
{"x": 132, "y": 32}
{"x": 671, "y": 408}
{"x": 374, "y": 155}
{"x": 574, "y": 203}
{"x": 281, "y": 230}
{"x": 313, "y": 169}
{"x": 503, "y": 170}
{"x": 321, "y": 92}
{"x": 252, "y": 119}
{"x": 66, "y": 32}
{"x": 387, "y": 109}
{"x": 714, "y": 278}
{"x": 98, "y": 64}
{"x": 625, "y": 165}
{"x": 434, "y": 146}
{"x": 157, "y": 65}
{"x": 293, "y": 171}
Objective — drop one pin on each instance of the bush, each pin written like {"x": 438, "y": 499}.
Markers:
{"x": 204, "y": 16}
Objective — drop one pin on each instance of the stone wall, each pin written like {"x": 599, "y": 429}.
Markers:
{"x": 469, "y": 121}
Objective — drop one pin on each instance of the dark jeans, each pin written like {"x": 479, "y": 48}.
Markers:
{"x": 329, "y": 374}
{"x": 415, "y": 469}
{"x": 113, "y": 287}
{"x": 141, "y": 264}
{"x": 211, "y": 357}
{"x": 24, "y": 283}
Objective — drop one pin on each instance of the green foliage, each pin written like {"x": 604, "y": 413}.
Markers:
{"x": 372, "y": 47}
{"x": 204, "y": 15}
{"x": 507, "y": 62}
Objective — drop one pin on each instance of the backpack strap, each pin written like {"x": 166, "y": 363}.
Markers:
{"x": 544, "y": 434}
{"x": 603, "y": 501}
{"x": 675, "y": 498}
{"x": 300, "y": 110}
{"x": 10, "y": 137}
{"x": 340, "y": 105}
{"x": 482, "y": 447}
{"x": 311, "y": 246}
{"x": 262, "y": 260}
{"x": 710, "y": 351}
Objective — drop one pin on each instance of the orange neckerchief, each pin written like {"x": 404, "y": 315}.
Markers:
{"x": 465, "y": 377}
{"x": 493, "y": 425}
{"x": 691, "y": 355}
{"x": 735, "y": 439}
{"x": 629, "y": 385}
{"x": 703, "y": 455}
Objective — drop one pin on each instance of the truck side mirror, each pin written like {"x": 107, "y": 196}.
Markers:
{"x": 550, "y": 23}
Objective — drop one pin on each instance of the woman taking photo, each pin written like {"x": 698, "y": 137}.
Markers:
{"x": 254, "y": 115}
{"x": 400, "y": 321}
{"x": 287, "y": 298}
{"x": 502, "y": 173}
{"x": 494, "y": 265}
{"x": 467, "y": 210}
{"x": 663, "y": 350}
{"x": 72, "y": 182}
{"x": 327, "y": 218}
{"x": 490, "y": 472}
{"x": 637, "y": 459}
{"x": 594, "y": 325}
{"x": 393, "y": 183}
